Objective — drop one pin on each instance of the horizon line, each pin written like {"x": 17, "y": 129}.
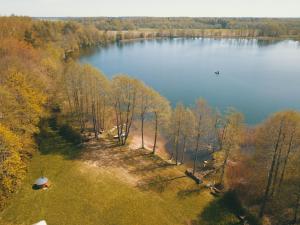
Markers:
{"x": 227, "y": 17}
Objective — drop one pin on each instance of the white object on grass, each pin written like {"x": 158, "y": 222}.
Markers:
{"x": 42, "y": 222}
{"x": 41, "y": 181}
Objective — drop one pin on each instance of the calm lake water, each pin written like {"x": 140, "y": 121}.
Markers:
{"x": 256, "y": 77}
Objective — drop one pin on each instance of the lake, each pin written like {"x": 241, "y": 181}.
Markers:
{"x": 257, "y": 77}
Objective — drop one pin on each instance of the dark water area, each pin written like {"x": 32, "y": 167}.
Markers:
{"x": 257, "y": 77}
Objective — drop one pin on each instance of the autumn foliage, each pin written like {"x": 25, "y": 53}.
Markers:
{"x": 39, "y": 79}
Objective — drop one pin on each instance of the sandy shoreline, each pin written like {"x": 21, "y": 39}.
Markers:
{"x": 136, "y": 142}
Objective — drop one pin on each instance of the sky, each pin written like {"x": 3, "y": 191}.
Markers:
{"x": 165, "y": 8}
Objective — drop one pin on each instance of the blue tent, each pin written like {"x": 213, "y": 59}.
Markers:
{"x": 41, "y": 181}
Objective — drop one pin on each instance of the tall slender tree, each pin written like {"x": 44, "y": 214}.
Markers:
{"x": 124, "y": 100}
{"x": 176, "y": 129}
{"x": 230, "y": 137}
{"x": 203, "y": 128}
{"x": 188, "y": 128}
{"x": 161, "y": 111}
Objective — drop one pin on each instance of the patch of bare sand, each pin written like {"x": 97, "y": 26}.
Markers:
{"x": 121, "y": 162}
{"x": 129, "y": 164}
{"x": 161, "y": 143}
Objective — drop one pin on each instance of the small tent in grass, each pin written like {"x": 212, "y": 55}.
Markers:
{"x": 42, "y": 182}
{"x": 42, "y": 222}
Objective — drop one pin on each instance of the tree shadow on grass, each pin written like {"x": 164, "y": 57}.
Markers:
{"x": 57, "y": 141}
{"x": 186, "y": 193}
{"x": 152, "y": 167}
{"x": 216, "y": 213}
{"x": 224, "y": 210}
{"x": 157, "y": 184}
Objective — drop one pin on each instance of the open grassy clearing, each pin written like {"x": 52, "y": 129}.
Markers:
{"x": 107, "y": 184}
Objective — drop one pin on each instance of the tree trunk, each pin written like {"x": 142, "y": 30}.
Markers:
{"x": 129, "y": 118}
{"x": 121, "y": 124}
{"x": 155, "y": 134}
{"x": 77, "y": 109}
{"x": 197, "y": 145}
{"x": 195, "y": 161}
{"x": 177, "y": 143}
{"x": 103, "y": 115}
{"x": 128, "y": 126}
{"x": 176, "y": 140}
{"x": 296, "y": 209}
{"x": 278, "y": 162}
{"x": 224, "y": 166}
{"x": 118, "y": 121}
{"x": 172, "y": 153}
{"x": 94, "y": 119}
{"x": 285, "y": 161}
{"x": 183, "y": 150}
{"x": 270, "y": 176}
{"x": 223, "y": 137}
{"x": 176, "y": 150}
{"x": 82, "y": 113}
{"x": 98, "y": 115}
{"x": 142, "y": 129}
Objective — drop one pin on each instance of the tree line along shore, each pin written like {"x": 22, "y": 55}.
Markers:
{"x": 39, "y": 80}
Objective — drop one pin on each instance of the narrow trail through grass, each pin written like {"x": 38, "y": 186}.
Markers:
{"x": 103, "y": 183}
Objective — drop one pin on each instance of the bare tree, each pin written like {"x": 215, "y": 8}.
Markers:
{"x": 124, "y": 96}
{"x": 275, "y": 139}
{"x": 188, "y": 124}
{"x": 176, "y": 129}
{"x": 203, "y": 128}
{"x": 160, "y": 108}
{"x": 145, "y": 96}
{"x": 230, "y": 137}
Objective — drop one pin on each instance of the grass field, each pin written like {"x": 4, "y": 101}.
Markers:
{"x": 103, "y": 183}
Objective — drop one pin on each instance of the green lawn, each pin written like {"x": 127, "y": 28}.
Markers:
{"x": 84, "y": 195}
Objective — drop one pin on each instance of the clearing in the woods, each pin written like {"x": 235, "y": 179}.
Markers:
{"x": 103, "y": 183}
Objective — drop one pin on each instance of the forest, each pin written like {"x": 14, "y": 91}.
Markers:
{"x": 40, "y": 79}
{"x": 266, "y": 26}
{"x": 192, "y": 27}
